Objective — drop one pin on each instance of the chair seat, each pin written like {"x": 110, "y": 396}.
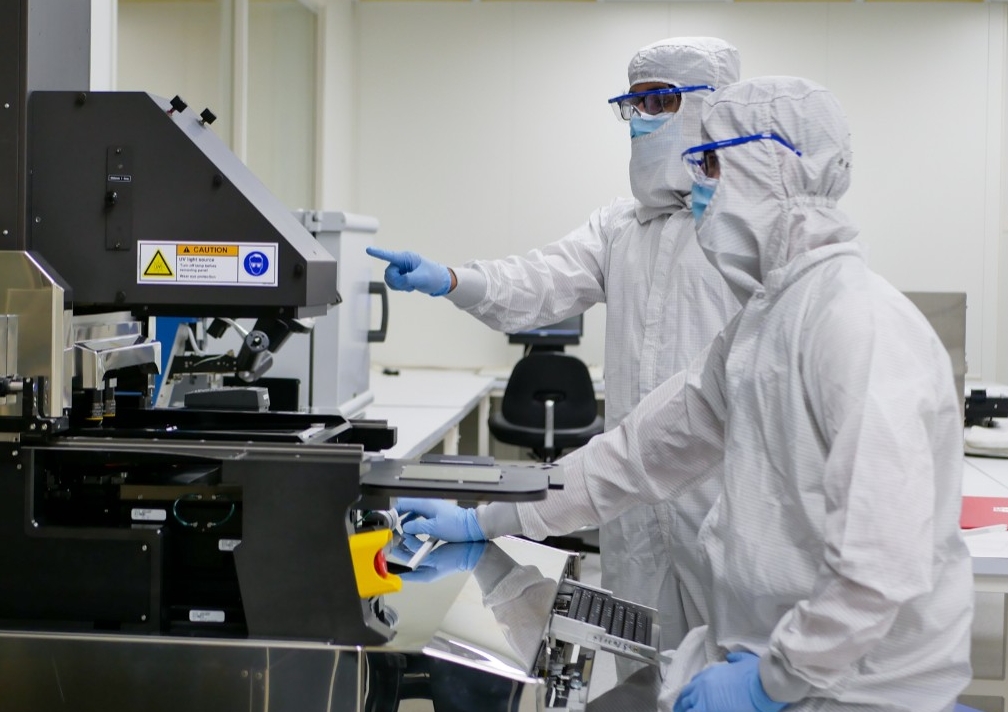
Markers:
{"x": 525, "y": 436}
{"x": 550, "y": 390}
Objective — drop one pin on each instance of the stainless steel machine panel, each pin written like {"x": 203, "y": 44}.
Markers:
{"x": 465, "y": 635}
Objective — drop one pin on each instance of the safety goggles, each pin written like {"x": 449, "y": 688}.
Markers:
{"x": 653, "y": 101}
{"x": 702, "y": 162}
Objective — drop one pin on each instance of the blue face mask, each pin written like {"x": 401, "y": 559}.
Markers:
{"x": 643, "y": 124}
{"x": 702, "y": 193}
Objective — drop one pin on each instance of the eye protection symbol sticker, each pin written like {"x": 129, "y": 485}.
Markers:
{"x": 256, "y": 263}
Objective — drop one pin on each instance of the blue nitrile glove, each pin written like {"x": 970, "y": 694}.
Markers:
{"x": 408, "y": 271}
{"x": 728, "y": 687}
{"x": 444, "y": 559}
{"x": 440, "y": 519}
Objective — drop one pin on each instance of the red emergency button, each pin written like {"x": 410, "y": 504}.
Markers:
{"x": 380, "y": 565}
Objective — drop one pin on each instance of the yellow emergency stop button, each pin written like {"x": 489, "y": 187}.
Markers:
{"x": 368, "y": 557}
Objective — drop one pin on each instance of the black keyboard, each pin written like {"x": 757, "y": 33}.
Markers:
{"x": 617, "y": 618}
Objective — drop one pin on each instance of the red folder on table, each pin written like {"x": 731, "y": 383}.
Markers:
{"x": 983, "y": 512}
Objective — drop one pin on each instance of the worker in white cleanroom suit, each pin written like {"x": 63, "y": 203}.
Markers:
{"x": 838, "y": 576}
{"x": 664, "y": 303}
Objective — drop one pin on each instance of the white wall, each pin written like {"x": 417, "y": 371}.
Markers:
{"x": 103, "y": 44}
{"x": 264, "y": 103}
{"x": 483, "y": 131}
{"x": 281, "y": 100}
{"x": 168, "y": 48}
{"x": 337, "y": 104}
{"x": 1001, "y": 285}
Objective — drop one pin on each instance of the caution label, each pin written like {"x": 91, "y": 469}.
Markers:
{"x": 232, "y": 264}
{"x": 218, "y": 250}
{"x": 158, "y": 266}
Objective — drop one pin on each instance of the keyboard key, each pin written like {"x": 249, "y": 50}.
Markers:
{"x": 607, "y": 613}
{"x": 575, "y": 600}
{"x": 617, "y": 620}
{"x": 642, "y": 634}
{"x": 630, "y": 621}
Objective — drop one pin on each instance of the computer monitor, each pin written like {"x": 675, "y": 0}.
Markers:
{"x": 553, "y": 337}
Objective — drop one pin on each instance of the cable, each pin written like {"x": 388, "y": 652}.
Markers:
{"x": 332, "y": 680}
{"x": 208, "y": 359}
{"x": 192, "y": 342}
{"x": 235, "y": 325}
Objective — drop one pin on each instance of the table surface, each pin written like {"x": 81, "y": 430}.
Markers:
{"x": 428, "y": 387}
{"x": 417, "y": 429}
{"x": 987, "y": 477}
{"x": 423, "y": 404}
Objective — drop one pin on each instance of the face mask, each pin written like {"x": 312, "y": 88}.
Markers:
{"x": 643, "y": 124}
{"x": 702, "y": 194}
{"x": 658, "y": 180}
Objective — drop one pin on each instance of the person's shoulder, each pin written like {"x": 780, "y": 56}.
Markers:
{"x": 857, "y": 305}
{"x": 619, "y": 210}
{"x": 614, "y": 218}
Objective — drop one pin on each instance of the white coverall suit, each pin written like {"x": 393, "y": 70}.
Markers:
{"x": 664, "y": 304}
{"x": 834, "y": 551}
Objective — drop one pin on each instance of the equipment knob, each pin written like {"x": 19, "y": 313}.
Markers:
{"x": 257, "y": 341}
{"x": 177, "y": 105}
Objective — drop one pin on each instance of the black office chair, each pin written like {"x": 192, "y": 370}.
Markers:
{"x": 549, "y": 405}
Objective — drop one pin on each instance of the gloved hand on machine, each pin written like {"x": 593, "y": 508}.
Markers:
{"x": 439, "y": 519}
{"x": 444, "y": 559}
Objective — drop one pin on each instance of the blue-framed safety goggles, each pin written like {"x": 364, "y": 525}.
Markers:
{"x": 700, "y": 160}
{"x": 652, "y": 101}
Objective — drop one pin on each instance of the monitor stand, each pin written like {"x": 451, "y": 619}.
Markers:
{"x": 543, "y": 348}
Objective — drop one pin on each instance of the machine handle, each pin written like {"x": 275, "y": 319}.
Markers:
{"x": 378, "y": 335}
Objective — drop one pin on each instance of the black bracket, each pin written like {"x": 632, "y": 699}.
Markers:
{"x": 980, "y": 407}
{"x": 118, "y": 198}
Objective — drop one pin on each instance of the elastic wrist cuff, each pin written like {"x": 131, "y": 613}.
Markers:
{"x": 470, "y": 288}
{"x": 761, "y": 700}
{"x": 497, "y": 519}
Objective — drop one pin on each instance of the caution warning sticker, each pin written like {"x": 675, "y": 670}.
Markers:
{"x": 232, "y": 264}
{"x": 158, "y": 266}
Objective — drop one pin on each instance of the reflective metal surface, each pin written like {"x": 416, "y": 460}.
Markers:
{"x": 8, "y": 351}
{"x": 40, "y": 673}
{"x": 107, "y": 342}
{"x": 487, "y": 621}
{"x": 109, "y": 325}
{"x": 465, "y": 640}
{"x": 36, "y": 297}
{"x": 93, "y": 359}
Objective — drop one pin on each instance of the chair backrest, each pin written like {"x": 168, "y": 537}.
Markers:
{"x": 556, "y": 376}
